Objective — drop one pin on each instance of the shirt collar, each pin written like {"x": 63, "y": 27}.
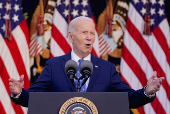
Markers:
{"x": 76, "y": 58}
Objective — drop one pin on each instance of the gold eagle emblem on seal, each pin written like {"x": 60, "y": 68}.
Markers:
{"x": 78, "y": 105}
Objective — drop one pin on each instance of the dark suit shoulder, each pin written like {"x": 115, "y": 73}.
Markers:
{"x": 65, "y": 57}
{"x": 54, "y": 59}
{"x": 103, "y": 62}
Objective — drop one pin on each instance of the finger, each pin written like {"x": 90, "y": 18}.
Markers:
{"x": 21, "y": 78}
{"x": 162, "y": 78}
{"x": 157, "y": 88}
{"x": 158, "y": 85}
{"x": 154, "y": 75}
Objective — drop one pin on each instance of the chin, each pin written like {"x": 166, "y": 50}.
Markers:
{"x": 88, "y": 52}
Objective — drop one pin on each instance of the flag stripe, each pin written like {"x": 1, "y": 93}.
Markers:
{"x": 32, "y": 42}
{"x": 61, "y": 41}
{"x": 95, "y": 50}
{"x": 164, "y": 24}
{"x": 101, "y": 41}
{"x": 23, "y": 46}
{"x": 147, "y": 109}
{"x": 126, "y": 71}
{"x": 14, "y": 53}
{"x": 132, "y": 80}
{"x": 8, "y": 60}
{"x": 5, "y": 100}
{"x": 148, "y": 53}
{"x": 104, "y": 47}
{"x": 5, "y": 81}
{"x": 157, "y": 51}
{"x": 25, "y": 31}
{"x": 55, "y": 50}
{"x": 18, "y": 60}
{"x": 33, "y": 50}
{"x": 2, "y": 111}
{"x": 61, "y": 25}
{"x": 137, "y": 53}
{"x": 162, "y": 42}
{"x": 11, "y": 68}
{"x": 134, "y": 66}
{"x": 141, "y": 109}
{"x": 155, "y": 105}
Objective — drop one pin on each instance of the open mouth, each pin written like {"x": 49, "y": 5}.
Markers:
{"x": 88, "y": 45}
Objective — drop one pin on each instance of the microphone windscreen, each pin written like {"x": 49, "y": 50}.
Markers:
{"x": 71, "y": 64}
{"x": 86, "y": 65}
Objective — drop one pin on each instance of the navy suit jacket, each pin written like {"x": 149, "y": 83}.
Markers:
{"x": 104, "y": 78}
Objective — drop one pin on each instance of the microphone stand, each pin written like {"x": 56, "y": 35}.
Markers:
{"x": 78, "y": 86}
{"x": 84, "y": 81}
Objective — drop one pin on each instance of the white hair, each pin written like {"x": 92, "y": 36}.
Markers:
{"x": 72, "y": 24}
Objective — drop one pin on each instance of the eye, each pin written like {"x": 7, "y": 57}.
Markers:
{"x": 93, "y": 33}
{"x": 84, "y": 32}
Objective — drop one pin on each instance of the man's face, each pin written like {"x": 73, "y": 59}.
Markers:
{"x": 83, "y": 37}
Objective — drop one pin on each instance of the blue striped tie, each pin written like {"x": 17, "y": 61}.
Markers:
{"x": 78, "y": 74}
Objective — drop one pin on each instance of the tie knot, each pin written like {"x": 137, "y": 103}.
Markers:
{"x": 80, "y": 60}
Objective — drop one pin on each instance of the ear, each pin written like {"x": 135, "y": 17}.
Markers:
{"x": 70, "y": 36}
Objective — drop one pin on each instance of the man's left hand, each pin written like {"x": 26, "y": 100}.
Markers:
{"x": 153, "y": 84}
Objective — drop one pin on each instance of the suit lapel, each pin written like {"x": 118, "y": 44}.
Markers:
{"x": 65, "y": 59}
{"x": 94, "y": 75}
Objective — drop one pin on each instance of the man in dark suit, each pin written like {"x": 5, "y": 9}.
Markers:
{"x": 104, "y": 78}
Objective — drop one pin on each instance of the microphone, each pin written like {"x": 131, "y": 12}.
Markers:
{"x": 86, "y": 69}
{"x": 71, "y": 68}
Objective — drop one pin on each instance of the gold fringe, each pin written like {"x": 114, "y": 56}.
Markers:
{"x": 33, "y": 24}
{"x": 46, "y": 53}
{"x": 101, "y": 19}
{"x": 116, "y": 53}
{"x": 135, "y": 111}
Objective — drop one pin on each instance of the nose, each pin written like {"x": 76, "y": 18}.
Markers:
{"x": 89, "y": 36}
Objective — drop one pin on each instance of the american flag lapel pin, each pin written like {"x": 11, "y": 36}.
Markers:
{"x": 96, "y": 66}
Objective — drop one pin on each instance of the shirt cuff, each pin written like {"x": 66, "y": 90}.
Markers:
{"x": 15, "y": 96}
{"x": 151, "y": 95}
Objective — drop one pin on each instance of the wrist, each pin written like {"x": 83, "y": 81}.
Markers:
{"x": 150, "y": 95}
{"x": 16, "y": 95}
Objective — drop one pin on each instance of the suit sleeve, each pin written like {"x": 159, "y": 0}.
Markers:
{"x": 42, "y": 84}
{"x": 136, "y": 98}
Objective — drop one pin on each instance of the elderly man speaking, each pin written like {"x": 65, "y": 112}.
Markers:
{"x": 104, "y": 78}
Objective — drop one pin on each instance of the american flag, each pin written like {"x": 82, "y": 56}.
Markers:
{"x": 14, "y": 53}
{"x": 143, "y": 54}
{"x": 35, "y": 47}
{"x": 60, "y": 43}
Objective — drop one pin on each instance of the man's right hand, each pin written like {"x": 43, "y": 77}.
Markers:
{"x": 16, "y": 85}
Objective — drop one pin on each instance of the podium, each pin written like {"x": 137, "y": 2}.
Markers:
{"x": 68, "y": 102}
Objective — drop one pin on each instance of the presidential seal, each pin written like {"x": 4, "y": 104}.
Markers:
{"x": 78, "y": 105}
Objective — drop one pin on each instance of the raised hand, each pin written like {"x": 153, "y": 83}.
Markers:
{"x": 16, "y": 85}
{"x": 153, "y": 84}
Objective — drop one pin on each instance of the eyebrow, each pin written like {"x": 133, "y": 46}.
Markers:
{"x": 87, "y": 30}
